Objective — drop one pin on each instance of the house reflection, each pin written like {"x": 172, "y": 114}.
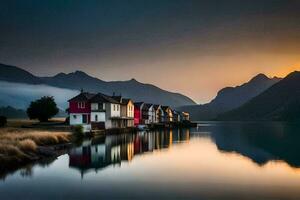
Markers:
{"x": 99, "y": 153}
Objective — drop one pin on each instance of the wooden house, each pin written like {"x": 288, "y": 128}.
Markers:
{"x": 151, "y": 113}
{"x": 176, "y": 116}
{"x": 138, "y": 113}
{"x": 126, "y": 111}
{"x": 185, "y": 116}
{"x": 159, "y": 114}
{"x": 168, "y": 114}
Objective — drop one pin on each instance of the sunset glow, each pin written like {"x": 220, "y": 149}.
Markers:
{"x": 207, "y": 45}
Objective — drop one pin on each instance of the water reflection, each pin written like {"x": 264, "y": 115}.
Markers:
{"x": 101, "y": 152}
{"x": 214, "y": 161}
{"x": 261, "y": 142}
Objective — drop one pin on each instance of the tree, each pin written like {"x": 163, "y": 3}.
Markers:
{"x": 42, "y": 109}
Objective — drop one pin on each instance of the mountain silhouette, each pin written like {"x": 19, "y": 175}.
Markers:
{"x": 230, "y": 98}
{"x": 279, "y": 102}
{"x": 80, "y": 80}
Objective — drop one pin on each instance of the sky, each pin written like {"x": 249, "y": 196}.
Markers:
{"x": 192, "y": 47}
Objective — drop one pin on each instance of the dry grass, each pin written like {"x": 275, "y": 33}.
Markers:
{"x": 27, "y": 145}
{"x": 17, "y": 144}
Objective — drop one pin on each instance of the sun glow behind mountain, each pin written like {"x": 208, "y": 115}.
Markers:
{"x": 192, "y": 47}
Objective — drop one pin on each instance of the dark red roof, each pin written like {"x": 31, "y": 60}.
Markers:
{"x": 102, "y": 98}
{"x": 117, "y": 98}
{"x": 83, "y": 96}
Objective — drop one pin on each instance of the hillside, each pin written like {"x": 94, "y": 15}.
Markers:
{"x": 11, "y": 112}
{"x": 79, "y": 80}
{"x": 130, "y": 89}
{"x": 230, "y": 98}
{"x": 17, "y": 75}
{"x": 279, "y": 102}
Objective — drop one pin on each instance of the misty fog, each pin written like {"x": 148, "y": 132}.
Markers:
{"x": 20, "y": 95}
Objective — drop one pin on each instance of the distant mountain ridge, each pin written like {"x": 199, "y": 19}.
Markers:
{"x": 17, "y": 75}
{"x": 280, "y": 102}
{"x": 11, "y": 112}
{"x": 230, "y": 98}
{"x": 79, "y": 80}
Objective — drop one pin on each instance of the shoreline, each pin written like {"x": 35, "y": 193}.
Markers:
{"x": 24, "y": 142}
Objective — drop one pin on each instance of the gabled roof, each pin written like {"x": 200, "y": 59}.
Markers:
{"x": 156, "y": 106}
{"x": 125, "y": 101}
{"x": 148, "y": 105}
{"x": 102, "y": 98}
{"x": 175, "y": 112}
{"x": 184, "y": 114}
{"x": 138, "y": 104}
{"x": 117, "y": 98}
{"x": 83, "y": 96}
{"x": 165, "y": 108}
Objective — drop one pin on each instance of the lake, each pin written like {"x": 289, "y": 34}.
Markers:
{"x": 212, "y": 161}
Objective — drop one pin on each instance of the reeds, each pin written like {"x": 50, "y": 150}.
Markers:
{"x": 17, "y": 145}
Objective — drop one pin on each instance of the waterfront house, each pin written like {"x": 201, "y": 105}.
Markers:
{"x": 127, "y": 111}
{"x": 100, "y": 111}
{"x": 159, "y": 114}
{"x": 176, "y": 116}
{"x": 145, "y": 114}
{"x": 95, "y": 111}
{"x": 105, "y": 111}
{"x": 80, "y": 110}
{"x": 168, "y": 114}
{"x": 185, "y": 116}
{"x": 138, "y": 113}
{"x": 151, "y": 113}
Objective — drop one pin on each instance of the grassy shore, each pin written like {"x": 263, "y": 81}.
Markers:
{"x": 21, "y": 145}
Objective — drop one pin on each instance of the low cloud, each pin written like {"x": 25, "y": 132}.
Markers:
{"x": 20, "y": 95}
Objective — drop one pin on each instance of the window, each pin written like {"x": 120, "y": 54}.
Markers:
{"x": 74, "y": 116}
{"x": 84, "y": 119}
{"x": 81, "y": 104}
{"x": 118, "y": 107}
{"x": 96, "y": 118}
{"x": 114, "y": 107}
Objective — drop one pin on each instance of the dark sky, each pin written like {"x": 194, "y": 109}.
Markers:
{"x": 192, "y": 47}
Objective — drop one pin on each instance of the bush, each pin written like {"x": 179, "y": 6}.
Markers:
{"x": 78, "y": 131}
{"x": 42, "y": 109}
{"x": 3, "y": 121}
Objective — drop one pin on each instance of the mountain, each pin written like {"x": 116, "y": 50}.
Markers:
{"x": 279, "y": 102}
{"x": 79, "y": 80}
{"x": 230, "y": 98}
{"x": 17, "y": 75}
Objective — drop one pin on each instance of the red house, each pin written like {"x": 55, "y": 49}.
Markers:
{"x": 138, "y": 113}
{"x": 80, "y": 110}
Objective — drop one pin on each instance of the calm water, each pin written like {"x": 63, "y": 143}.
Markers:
{"x": 213, "y": 161}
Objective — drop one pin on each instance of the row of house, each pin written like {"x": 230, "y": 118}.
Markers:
{"x": 100, "y": 111}
{"x": 145, "y": 113}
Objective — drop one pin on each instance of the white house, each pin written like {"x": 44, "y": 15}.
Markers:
{"x": 151, "y": 114}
